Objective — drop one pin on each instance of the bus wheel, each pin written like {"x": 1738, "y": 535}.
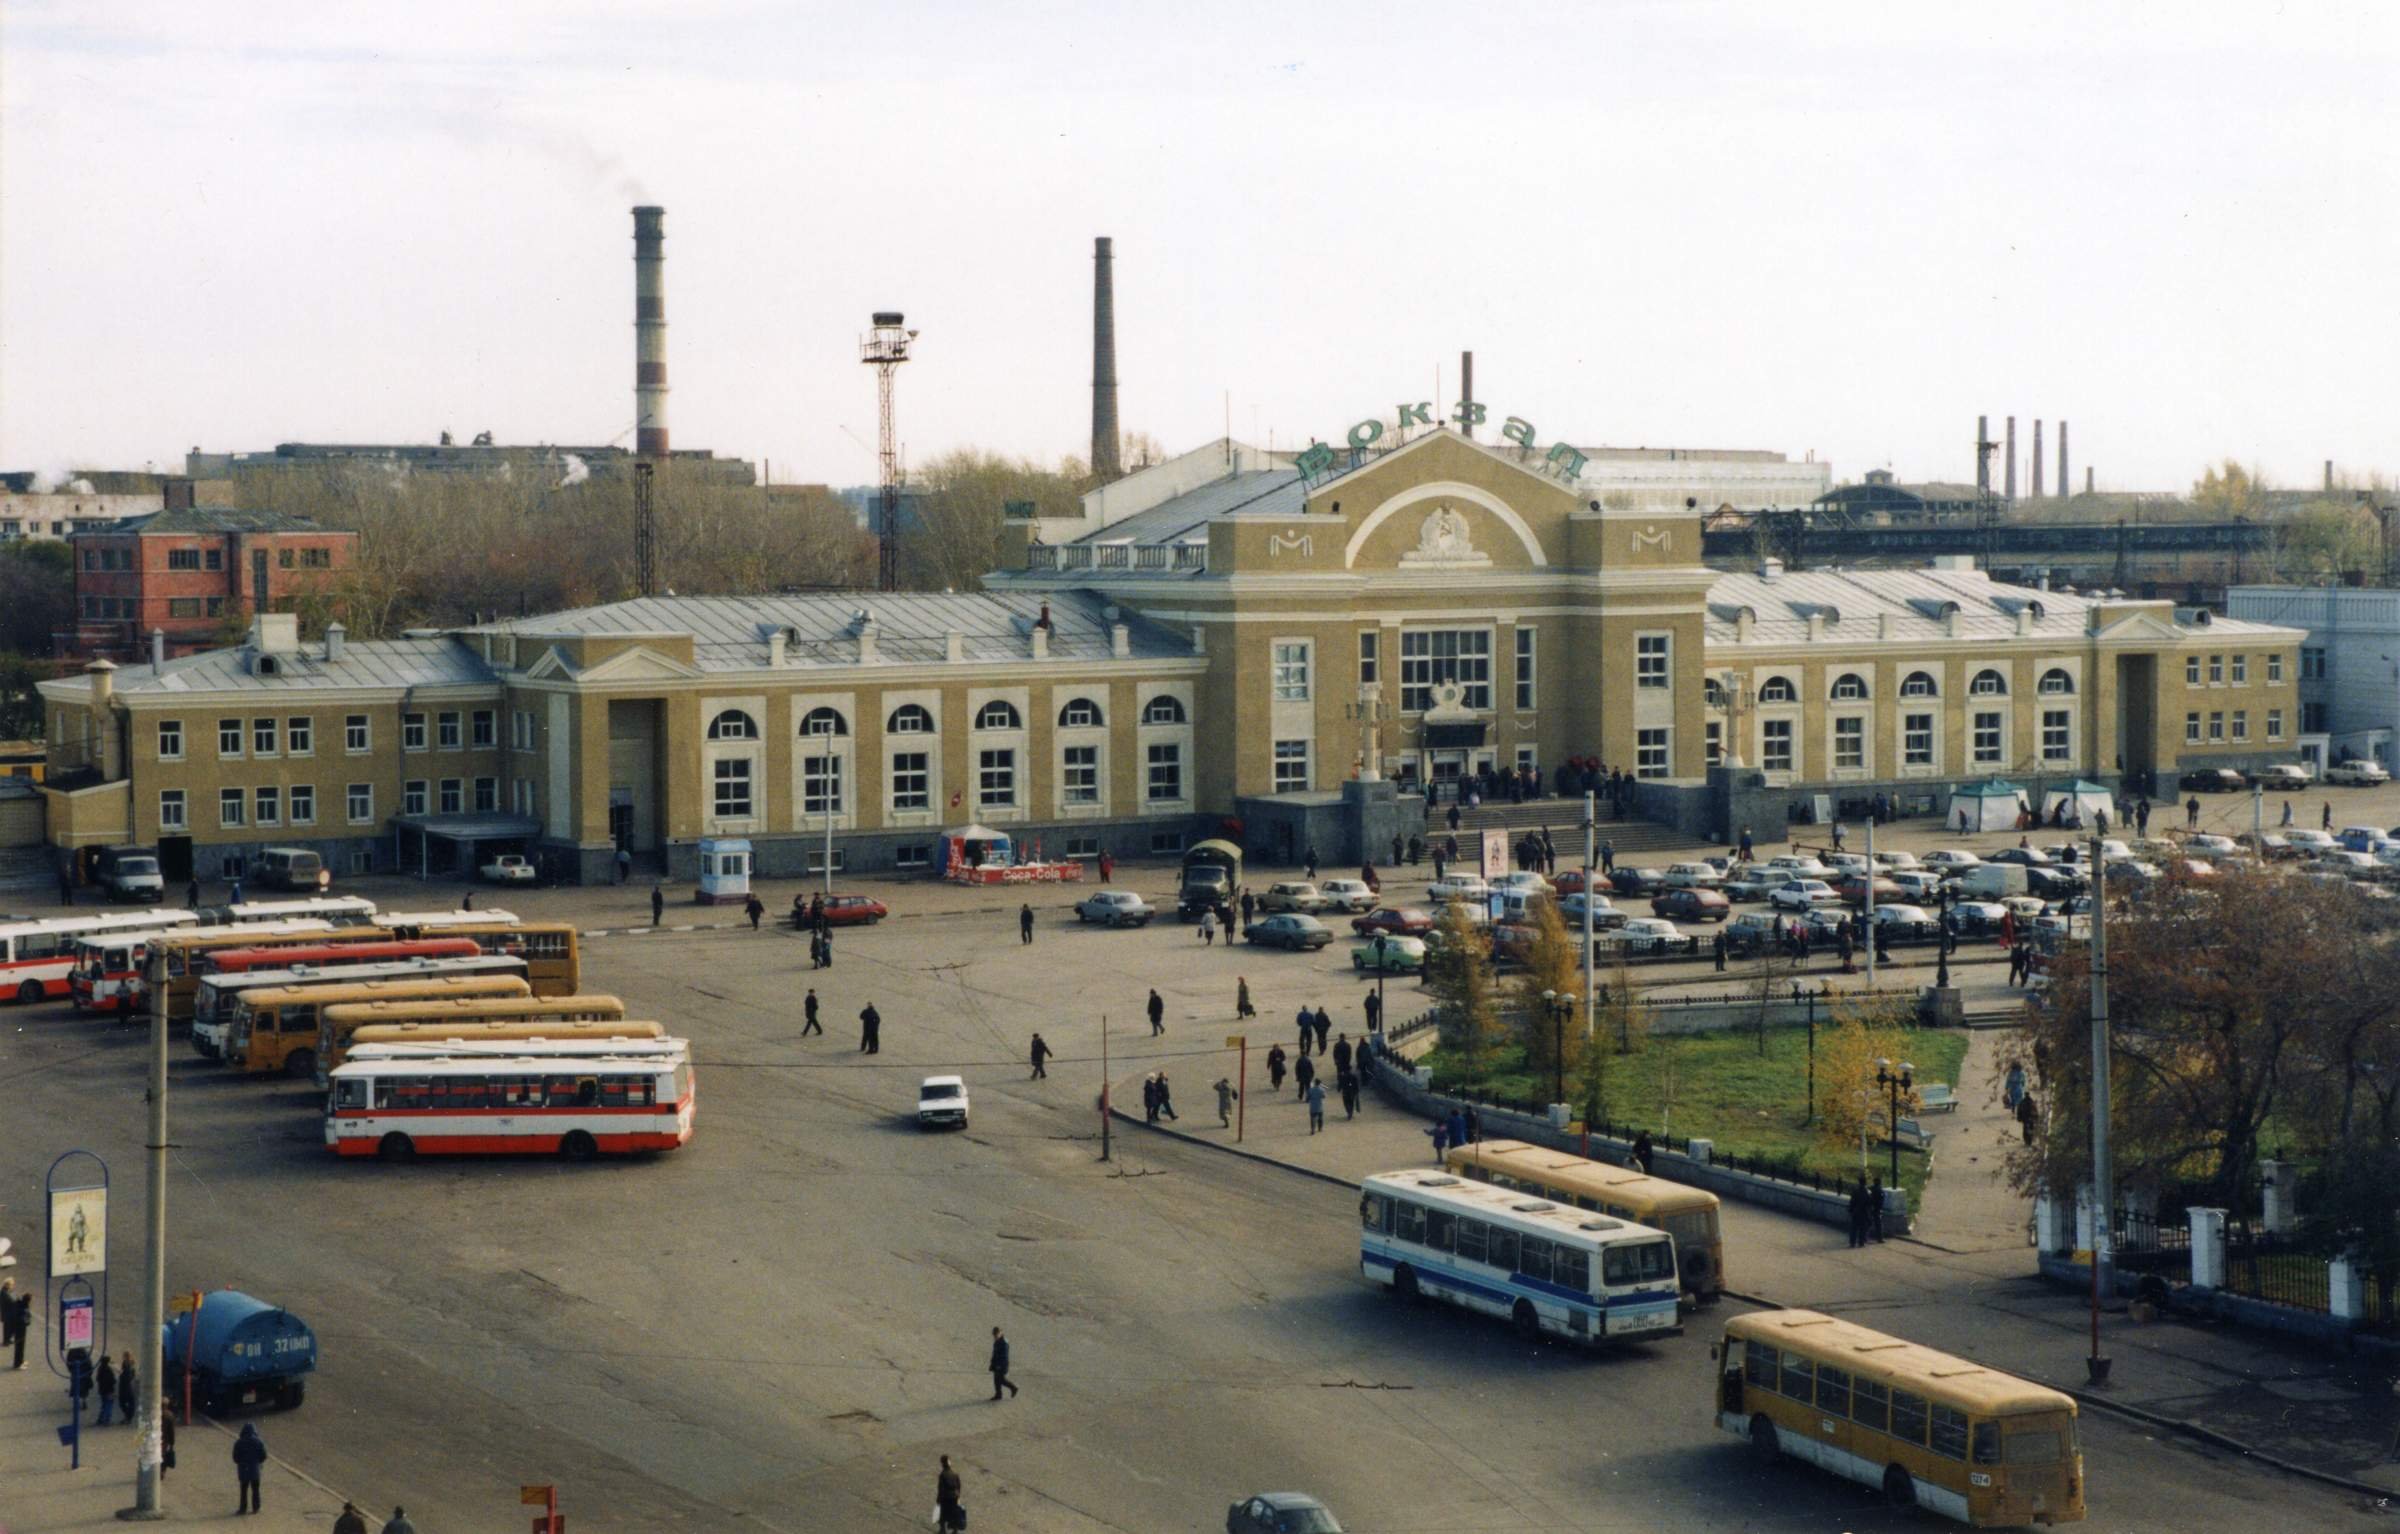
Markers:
{"x": 578, "y": 1146}
{"x": 30, "y": 992}
{"x": 1898, "y": 1489}
{"x": 1404, "y": 1282}
{"x": 397, "y": 1147}
{"x": 1529, "y": 1322}
{"x": 1763, "y": 1444}
{"x": 300, "y": 1064}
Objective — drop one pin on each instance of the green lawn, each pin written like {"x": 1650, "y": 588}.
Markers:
{"x": 1725, "y": 1091}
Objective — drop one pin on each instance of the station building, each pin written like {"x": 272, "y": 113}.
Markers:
{"x": 1300, "y": 644}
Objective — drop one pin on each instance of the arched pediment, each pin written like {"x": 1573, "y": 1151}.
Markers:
{"x": 1450, "y": 534}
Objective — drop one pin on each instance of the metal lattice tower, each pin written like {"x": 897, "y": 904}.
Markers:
{"x": 645, "y": 533}
{"x": 884, "y": 349}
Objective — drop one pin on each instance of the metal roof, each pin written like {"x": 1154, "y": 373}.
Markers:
{"x": 471, "y": 828}
{"x": 1854, "y": 601}
{"x": 370, "y": 663}
{"x": 1252, "y": 492}
{"x": 221, "y": 519}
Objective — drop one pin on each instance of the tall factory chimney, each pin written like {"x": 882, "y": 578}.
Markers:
{"x": 2066, "y": 486}
{"x": 2037, "y": 458}
{"x": 2012, "y": 458}
{"x": 649, "y": 333}
{"x": 1104, "y": 360}
{"x": 1983, "y": 455}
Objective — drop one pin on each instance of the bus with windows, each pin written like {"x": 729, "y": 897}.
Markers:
{"x": 1929, "y": 1430}
{"x": 342, "y": 910}
{"x": 112, "y": 968}
{"x": 1687, "y": 1214}
{"x": 1549, "y": 1268}
{"x": 37, "y": 958}
{"x": 553, "y": 958}
{"x": 276, "y": 1031}
{"x": 525, "y": 1017}
{"x": 218, "y": 1001}
{"x": 578, "y": 1106}
{"x": 418, "y": 923}
{"x": 642, "y": 1039}
{"x": 183, "y": 954}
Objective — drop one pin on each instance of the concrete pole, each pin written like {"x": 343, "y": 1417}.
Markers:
{"x": 150, "y": 1452}
{"x": 2258, "y": 820}
{"x": 2102, "y": 1256}
{"x": 1867, "y": 931}
{"x": 1591, "y": 855}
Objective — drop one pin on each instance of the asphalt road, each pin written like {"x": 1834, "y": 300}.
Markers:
{"x": 784, "y": 1323}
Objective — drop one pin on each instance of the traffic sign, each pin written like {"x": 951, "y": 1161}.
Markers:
{"x": 1236, "y": 1040}
{"x": 75, "y": 1321}
{"x": 536, "y": 1496}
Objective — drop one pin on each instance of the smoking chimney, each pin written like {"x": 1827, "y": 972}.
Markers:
{"x": 649, "y": 333}
{"x": 2012, "y": 458}
{"x": 2037, "y": 458}
{"x": 2066, "y": 486}
{"x": 1104, "y": 360}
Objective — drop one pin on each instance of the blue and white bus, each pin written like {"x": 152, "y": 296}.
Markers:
{"x": 1548, "y": 1267}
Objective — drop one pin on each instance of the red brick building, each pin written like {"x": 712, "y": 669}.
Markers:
{"x": 190, "y": 572}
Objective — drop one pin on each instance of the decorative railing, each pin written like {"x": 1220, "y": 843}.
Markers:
{"x": 1066, "y": 558}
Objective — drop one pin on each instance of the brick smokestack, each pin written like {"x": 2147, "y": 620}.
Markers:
{"x": 2037, "y": 458}
{"x": 649, "y": 333}
{"x": 1104, "y": 360}
{"x": 2011, "y": 475}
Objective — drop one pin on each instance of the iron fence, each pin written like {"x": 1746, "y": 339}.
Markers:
{"x": 2265, "y": 1266}
{"x": 2145, "y": 1243}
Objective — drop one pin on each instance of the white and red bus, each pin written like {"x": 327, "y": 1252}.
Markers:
{"x": 578, "y": 1105}
{"x": 343, "y": 910}
{"x": 37, "y": 958}
{"x": 234, "y": 961}
{"x": 110, "y": 967}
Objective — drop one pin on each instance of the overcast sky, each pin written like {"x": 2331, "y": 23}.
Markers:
{"x": 1844, "y": 229}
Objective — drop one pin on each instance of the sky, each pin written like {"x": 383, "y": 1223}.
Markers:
{"x": 1839, "y": 229}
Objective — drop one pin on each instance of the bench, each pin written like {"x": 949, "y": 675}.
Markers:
{"x": 1937, "y": 1097}
{"x": 1912, "y": 1134}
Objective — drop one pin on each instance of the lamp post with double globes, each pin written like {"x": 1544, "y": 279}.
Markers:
{"x": 1894, "y": 1083}
{"x": 1561, "y": 1005}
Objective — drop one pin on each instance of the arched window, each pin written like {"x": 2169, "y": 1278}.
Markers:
{"x": 1917, "y": 684}
{"x": 2056, "y": 683}
{"x": 824, "y": 721}
{"x": 1776, "y": 689}
{"x": 997, "y": 715}
{"x": 1162, "y": 711}
{"x": 909, "y": 719}
{"x": 733, "y": 724}
{"x": 1849, "y": 687}
{"x": 1988, "y": 684}
{"x": 1079, "y": 714}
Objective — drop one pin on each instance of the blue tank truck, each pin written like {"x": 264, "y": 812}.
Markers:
{"x": 247, "y": 1351}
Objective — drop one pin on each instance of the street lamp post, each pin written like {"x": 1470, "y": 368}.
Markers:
{"x": 1894, "y": 1083}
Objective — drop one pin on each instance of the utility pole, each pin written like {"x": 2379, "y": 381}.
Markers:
{"x": 1867, "y": 935}
{"x": 150, "y": 1453}
{"x": 2102, "y": 1232}
{"x": 1104, "y": 1086}
{"x": 1591, "y": 854}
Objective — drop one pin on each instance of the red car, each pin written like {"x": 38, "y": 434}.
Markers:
{"x": 1395, "y": 921}
{"x": 1567, "y": 881}
{"x": 844, "y": 910}
{"x": 1691, "y": 905}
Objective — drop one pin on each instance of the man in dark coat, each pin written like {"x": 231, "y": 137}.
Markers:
{"x": 658, "y": 905}
{"x": 808, "y": 1009}
{"x": 249, "y": 1460}
{"x": 24, "y": 1304}
{"x": 870, "y": 1030}
{"x": 1000, "y": 1366}
{"x": 1308, "y": 1030}
{"x": 1341, "y": 1055}
{"x": 1641, "y": 1151}
{"x": 351, "y": 1521}
{"x": 1041, "y": 1052}
{"x": 945, "y": 1499}
{"x": 1303, "y": 1073}
{"x": 1149, "y": 1099}
{"x": 1858, "y": 1214}
{"x": 1324, "y": 1029}
{"x": 1275, "y": 1062}
{"x": 1157, "y": 1008}
{"x": 1025, "y": 923}
{"x": 754, "y": 908}
{"x": 105, "y": 1382}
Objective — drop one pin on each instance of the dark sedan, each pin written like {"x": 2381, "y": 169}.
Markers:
{"x": 2212, "y": 780}
{"x": 1280, "y": 1512}
{"x": 1691, "y": 905}
{"x": 1395, "y": 921}
{"x": 1290, "y": 930}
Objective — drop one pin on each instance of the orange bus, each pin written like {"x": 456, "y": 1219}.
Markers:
{"x": 182, "y": 955}
{"x": 276, "y": 1030}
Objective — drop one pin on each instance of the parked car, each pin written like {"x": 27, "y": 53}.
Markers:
{"x": 1799, "y": 865}
{"x": 2211, "y": 780}
{"x": 1280, "y": 1512}
{"x": 2023, "y": 857}
{"x": 1950, "y": 859}
{"x": 2204, "y": 844}
{"x": 2341, "y": 861}
{"x": 1919, "y": 883}
{"x": 2363, "y": 838}
{"x": 1691, "y": 903}
{"x": 1523, "y": 879}
{"x": 1397, "y": 920}
{"x": 854, "y": 910}
{"x": 1292, "y": 895}
{"x": 1458, "y": 886}
{"x": 942, "y": 1103}
{"x": 1904, "y": 918}
{"x": 1289, "y": 929}
{"x": 2310, "y": 843}
{"x": 1751, "y": 881}
{"x": 1853, "y": 889}
{"x": 1638, "y": 881}
{"x": 1894, "y": 858}
{"x": 509, "y": 868}
{"x": 2283, "y": 777}
{"x": 1604, "y": 915}
{"x": 1114, "y": 908}
{"x": 1569, "y": 881}
{"x": 2358, "y": 772}
{"x": 1800, "y": 894}
{"x": 1643, "y": 934}
{"x": 1387, "y": 954}
{"x": 1350, "y": 895}
{"x": 1693, "y": 876}
{"x": 1983, "y": 915}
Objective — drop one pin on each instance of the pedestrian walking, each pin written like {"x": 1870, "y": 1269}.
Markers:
{"x": 1208, "y": 929}
{"x": 753, "y": 908}
{"x": 808, "y": 1010}
{"x": 949, "y": 1514}
{"x": 1837, "y": 836}
{"x": 398, "y": 1523}
{"x": 1312, "y": 862}
{"x": 2141, "y": 817}
{"x": 1441, "y": 1139}
{"x": 1341, "y": 1054}
{"x": 233, "y": 891}
{"x": 658, "y": 905}
{"x": 1308, "y": 1030}
{"x": 825, "y": 948}
{"x": 1000, "y": 1366}
{"x": 166, "y": 1437}
{"x": 1348, "y": 1083}
{"x": 66, "y": 883}
{"x": 104, "y": 1380}
{"x": 125, "y": 1389}
{"x": 1608, "y": 857}
{"x": 1316, "y": 1106}
{"x": 1858, "y": 1214}
{"x": 1025, "y": 923}
{"x": 1324, "y": 1028}
{"x": 351, "y": 1521}
{"x": 1150, "y": 1098}
{"x": 1374, "y": 1009}
{"x": 2191, "y": 813}
{"x": 816, "y": 950}
{"x": 191, "y": 895}
{"x": 1275, "y": 1069}
{"x": 1875, "y": 1209}
{"x": 1226, "y": 1098}
{"x": 1459, "y": 1134}
{"x": 1166, "y": 1098}
{"x": 1249, "y": 907}
{"x": 1041, "y": 1052}
{"x": 624, "y": 865}
{"x": 1302, "y": 1074}
{"x": 1157, "y": 1008}
{"x": 1642, "y": 1151}
{"x": 2286, "y": 822}
{"x": 1716, "y": 948}
{"x": 8, "y": 1312}
{"x": 1108, "y": 867}
{"x": 249, "y": 1459}
{"x": 2027, "y": 1116}
{"x": 1746, "y": 844}
{"x": 24, "y": 1328}
{"x": 870, "y": 1030}
{"x": 2014, "y": 1087}
{"x": 1241, "y": 998}
{"x": 2325, "y": 817}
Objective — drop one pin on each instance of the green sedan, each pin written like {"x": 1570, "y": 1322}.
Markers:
{"x": 1389, "y": 955}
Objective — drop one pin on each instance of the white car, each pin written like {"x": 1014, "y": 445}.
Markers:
{"x": 1750, "y": 881}
{"x": 1114, "y": 908}
{"x": 1903, "y": 916}
{"x": 2360, "y": 772}
{"x": 2283, "y": 777}
{"x": 1975, "y": 914}
{"x": 1523, "y": 879}
{"x": 1293, "y": 895}
{"x": 1641, "y": 934}
{"x": 2025, "y": 907}
{"x": 509, "y": 868}
{"x": 1798, "y": 865}
{"x": 1895, "y": 858}
{"x": 1846, "y": 862}
{"x": 1699, "y": 876}
{"x": 942, "y": 1103}
{"x": 1459, "y": 886}
{"x": 1351, "y": 895}
{"x": 1924, "y": 883}
{"x": 1951, "y": 857}
{"x": 2207, "y": 845}
{"x": 1801, "y": 894}
{"x": 2311, "y": 843}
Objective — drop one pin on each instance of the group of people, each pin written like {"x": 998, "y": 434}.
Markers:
{"x": 1866, "y": 1212}
{"x": 116, "y": 1385}
{"x": 1464, "y": 1126}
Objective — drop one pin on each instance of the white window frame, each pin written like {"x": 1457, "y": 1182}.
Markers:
{"x": 449, "y": 730}
{"x": 483, "y": 729}
{"x": 358, "y": 734}
{"x": 266, "y": 736}
{"x": 300, "y": 735}
{"x": 486, "y": 796}
{"x": 170, "y": 740}
{"x": 1292, "y": 766}
{"x": 2191, "y": 729}
{"x": 1852, "y": 679}
{"x": 174, "y": 810}
{"x": 1654, "y": 659}
{"x": 1713, "y": 742}
{"x": 412, "y": 732}
{"x": 1996, "y": 755}
{"x": 2191, "y": 671}
{"x": 2241, "y": 724}
{"x": 1172, "y": 763}
{"x": 2274, "y": 665}
{"x": 1933, "y": 685}
{"x": 1526, "y": 662}
{"x": 300, "y": 803}
{"x": 2058, "y": 735}
{"x": 238, "y": 801}
{"x": 1654, "y": 752}
{"x": 901, "y": 771}
{"x": 1786, "y": 692}
{"x": 2216, "y": 725}
{"x": 1370, "y": 657}
{"x": 1778, "y": 738}
{"x": 352, "y": 795}
{"x": 733, "y": 787}
{"x": 1291, "y": 662}
{"x": 2216, "y": 671}
{"x": 1095, "y": 720}
{"x": 1993, "y": 675}
{"x": 2241, "y": 669}
{"x": 996, "y": 765}
{"x": 415, "y": 795}
{"x": 1469, "y": 665}
{"x": 450, "y": 796}
{"x": 1850, "y": 741}
{"x": 1079, "y": 781}
{"x": 266, "y": 805}
{"x": 822, "y": 789}
{"x": 239, "y": 734}
{"x": 1928, "y": 757}
{"x": 2274, "y": 724}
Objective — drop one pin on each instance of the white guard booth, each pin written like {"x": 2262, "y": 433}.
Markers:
{"x": 724, "y": 870}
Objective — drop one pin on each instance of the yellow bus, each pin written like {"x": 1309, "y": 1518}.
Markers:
{"x": 181, "y": 954}
{"x": 277, "y": 1029}
{"x": 1687, "y": 1214}
{"x": 1933, "y": 1431}
{"x": 553, "y": 959}
{"x": 503, "y": 1017}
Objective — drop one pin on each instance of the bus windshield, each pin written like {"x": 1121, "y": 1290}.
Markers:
{"x": 1638, "y": 1262}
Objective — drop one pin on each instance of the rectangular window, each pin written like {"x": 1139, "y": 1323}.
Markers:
{"x": 1833, "y": 1391}
{"x": 1524, "y": 669}
{"x": 914, "y": 855}
{"x": 1291, "y": 766}
{"x": 996, "y": 778}
{"x": 2058, "y": 734}
{"x": 229, "y": 737}
{"x": 2216, "y": 726}
{"x": 486, "y": 725}
{"x": 216, "y": 607}
{"x": 412, "y": 797}
{"x": 230, "y": 806}
{"x": 1775, "y": 745}
{"x": 212, "y": 559}
{"x": 1799, "y": 1377}
{"x": 300, "y": 735}
{"x": 1504, "y": 1249}
{"x": 1166, "y": 844}
{"x": 1650, "y": 754}
{"x": 1370, "y": 656}
{"x": 1533, "y": 1257}
{"x": 1908, "y": 1417}
{"x": 183, "y": 607}
{"x": 821, "y": 784}
{"x": 2241, "y": 671}
{"x": 1991, "y": 743}
{"x": 360, "y": 803}
{"x": 816, "y": 860}
{"x": 2216, "y": 671}
{"x": 520, "y": 729}
{"x": 1651, "y": 660}
{"x": 1949, "y": 1432}
{"x": 2274, "y": 724}
{"x": 1166, "y": 771}
{"x": 733, "y": 798}
{"x": 285, "y": 558}
{"x": 1870, "y": 1404}
{"x": 1430, "y": 657}
{"x": 412, "y": 732}
{"x": 912, "y": 780}
{"x": 2312, "y": 663}
{"x": 487, "y": 796}
{"x": 170, "y": 740}
{"x": 183, "y": 559}
{"x": 262, "y": 737}
{"x": 2241, "y": 724}
{"x": 2312, "y": 718}
{"x": 268, "y": 808}
{"x": 445, "y": 729}
{"x": 453, "y": 799}
{"x": 1080, "y": 774}
{"x": 2275, "y": 666}
{"x": 2191, "y": 671}
{"x": 1714, "y": 742}
{"x": 1291, "y": 671}
{"x": 355, "y": 735}
{"x": 2191, "y": 729}
{"x": 170, "y": 809}
{"x": 304, "y": 804}
{"x": 1916, "y": 740}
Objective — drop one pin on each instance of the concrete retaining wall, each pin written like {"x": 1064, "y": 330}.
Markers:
{"x": 2236, "y": 1309}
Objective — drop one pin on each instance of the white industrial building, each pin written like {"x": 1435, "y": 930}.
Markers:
{"x": 2349, "y": 663}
